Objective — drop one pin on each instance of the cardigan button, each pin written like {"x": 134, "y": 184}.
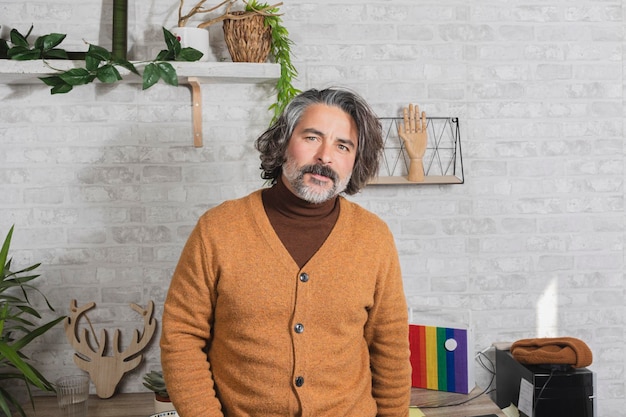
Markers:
{"x": 299, "y": 381}
{"x": 299, "y": 328}
{"x": 304, "y": 277}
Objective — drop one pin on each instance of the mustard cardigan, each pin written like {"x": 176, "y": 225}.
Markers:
{"x": 245, "y": 332}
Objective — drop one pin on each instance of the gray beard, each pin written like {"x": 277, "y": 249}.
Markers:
{"x": 295, "y": 177}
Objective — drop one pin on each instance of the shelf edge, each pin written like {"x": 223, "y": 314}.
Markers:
{"x": 28, "y": 72}
{"x": 429, "y": 179}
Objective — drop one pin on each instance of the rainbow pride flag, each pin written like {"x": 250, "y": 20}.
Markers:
{"x": 440, "y": 357}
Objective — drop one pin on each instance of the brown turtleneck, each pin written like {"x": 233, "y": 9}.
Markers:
{"x": 301, "y": 226}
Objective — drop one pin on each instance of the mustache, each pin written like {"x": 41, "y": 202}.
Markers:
{"x": 320, "y": 170}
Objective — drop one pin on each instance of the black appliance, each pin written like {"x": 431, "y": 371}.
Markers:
{"x": 558, "y": 390}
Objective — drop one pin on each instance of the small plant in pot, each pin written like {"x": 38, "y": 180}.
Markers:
{"x": 280, "y": 49}
{"x": 252, "y": 35}
{"x": 195, "y": 37}
{"x": 154, "y": 381}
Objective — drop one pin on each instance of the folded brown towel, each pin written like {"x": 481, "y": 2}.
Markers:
{"x": 552, "y": 351}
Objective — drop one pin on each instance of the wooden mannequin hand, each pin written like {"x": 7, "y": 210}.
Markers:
{"x": 415, "y": 137}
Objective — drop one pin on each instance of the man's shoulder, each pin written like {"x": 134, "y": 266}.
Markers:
{"x": 356, "y": 208}
{"x": 361, "y": 214}
{"x": 233, "y": 208}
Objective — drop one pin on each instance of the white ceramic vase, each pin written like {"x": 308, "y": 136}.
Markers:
{"x": 197, "y": 38}
{"x": 166, "y": 414}
{"x": 162, "y": 406}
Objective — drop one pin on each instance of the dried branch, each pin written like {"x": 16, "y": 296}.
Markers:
{"x": 228, "y": 15}
{"x": 182, "y": 20}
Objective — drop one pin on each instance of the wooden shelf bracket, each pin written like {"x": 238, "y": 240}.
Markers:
{"x": 196, "y": 111}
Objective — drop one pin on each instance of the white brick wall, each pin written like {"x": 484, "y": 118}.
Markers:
{"x": 103, "y": 184}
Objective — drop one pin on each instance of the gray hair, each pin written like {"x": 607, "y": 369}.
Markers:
{"x": 272, "y": 144}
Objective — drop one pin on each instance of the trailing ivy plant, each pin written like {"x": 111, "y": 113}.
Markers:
{"x": 280, "y": 46}
{"x": 100, "y": 64}
{"x": 281, "y": 50}
{"x": 45, "y": 47}
{"x": 18, "y": 329}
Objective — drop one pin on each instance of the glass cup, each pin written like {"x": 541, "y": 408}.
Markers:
{"x": 73, "y": 395}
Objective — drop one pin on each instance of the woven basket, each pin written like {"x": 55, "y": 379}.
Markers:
{"x": 248, "y": 39}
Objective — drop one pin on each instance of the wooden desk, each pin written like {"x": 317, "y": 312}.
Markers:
{"x": 480, "y": 405}
{"x": 142, "y": 405}
{"x": 120, "y": 405}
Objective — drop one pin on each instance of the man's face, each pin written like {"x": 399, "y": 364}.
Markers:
{"x": 321, "y": 153}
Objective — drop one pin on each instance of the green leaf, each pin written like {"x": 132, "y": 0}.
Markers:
{"x": 17, "y": 39}
{"x": 14, "y": 358}
{"x": 4, "y": 48}
{"x": 77, "y": 76}
{"x": 167, "y": 73}
{"x": 35, "y": 333}
{"x": 47, "y": 42}
{"x": 23, "y": 54}
{"x": 108, "y": 74}
{"x": 4, "y": 406}
{"x": 189, "y": 54}
{"x": 51, "y": 40}
{"x": 27, "y": 309}
{"x": 98, "y": 52}
{"x": 171, "y": 41}
{"x": 92, "y": 63}
{"x": 4, "y": 252}
{"x": 55, "y": 54}
{"x": 128, "y": 65}
{"x": 151, "y": 75}
{"x": 39, "y": 43}
{"x": 165, "y": 55}
{"x": 61, "y": 89}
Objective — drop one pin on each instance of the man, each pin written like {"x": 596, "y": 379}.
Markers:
{"x": 289, "y": 302}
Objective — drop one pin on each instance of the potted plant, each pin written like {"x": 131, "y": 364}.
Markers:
{"x": 100, "y": 64}
{"x": 272, "y": 39}
{"x": 18, "y": 328}
{"x": 195, "y": 37}
{"x": 154, "y": 381}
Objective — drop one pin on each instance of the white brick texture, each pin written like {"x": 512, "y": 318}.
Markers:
{"x": 103, "y": 184}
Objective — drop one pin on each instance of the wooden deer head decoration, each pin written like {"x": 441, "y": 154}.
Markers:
{"x": 107, "y": 371}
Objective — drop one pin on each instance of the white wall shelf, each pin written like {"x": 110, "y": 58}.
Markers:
{"x": 443, "y": 162}
{"x": 428, "y": 179}
{"x": 193, "y": 74}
